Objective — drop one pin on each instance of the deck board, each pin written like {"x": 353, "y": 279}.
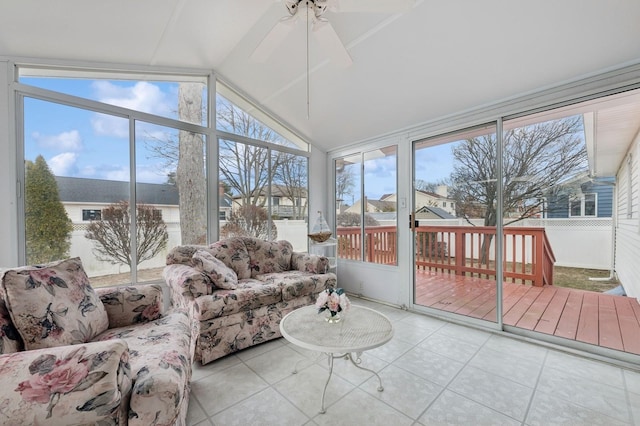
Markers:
{"x": 551, "y": 317}
{"x": 610, "y": 336}
{"x": 568, "y": 323}
{"x": 600, "y": 319}
{"x": 513, "y": 315}
{"x": 629, "y": 325}
{"x": 532, "y": 316}
{"x": 588, "y": 328}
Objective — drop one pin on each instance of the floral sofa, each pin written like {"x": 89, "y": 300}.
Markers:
{"x": 240, "y": 288}
{"x": 70, "y": 354}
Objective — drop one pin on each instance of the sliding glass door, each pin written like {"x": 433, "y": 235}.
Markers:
{"x": 453, "y": 221}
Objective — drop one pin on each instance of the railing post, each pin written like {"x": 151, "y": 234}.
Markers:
{"x": 537, "y": 262}
{"x": 460, "y": 251}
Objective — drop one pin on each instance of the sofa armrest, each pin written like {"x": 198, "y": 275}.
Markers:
{"x": 77, "y": 384}
{"x": 132, "y": 305}
{"x": 306, "y": 262}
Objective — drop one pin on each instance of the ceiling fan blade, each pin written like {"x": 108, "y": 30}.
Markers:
{"x": 373, "y": 6}
{"x": 273, "y": 39}
{"x": 330, "y": 43}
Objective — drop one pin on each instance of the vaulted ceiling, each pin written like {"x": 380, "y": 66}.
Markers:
{"x": 437, "y": 59}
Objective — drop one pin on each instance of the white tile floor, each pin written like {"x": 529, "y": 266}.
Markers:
{"x": 433, "y": 372}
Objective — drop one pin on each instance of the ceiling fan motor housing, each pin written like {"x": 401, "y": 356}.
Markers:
{"x": 318, "y": 6}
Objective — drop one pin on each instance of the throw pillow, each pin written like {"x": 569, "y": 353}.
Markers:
{"x": 53, "y": 305}
{"x": 220, "y": 274}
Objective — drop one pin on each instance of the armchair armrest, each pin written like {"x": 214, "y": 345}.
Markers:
{"x": 309, "y": 263}
{"x": 77, "y": 384}
{"x": 132, "y": 305}
{"x": 185, "y": 285}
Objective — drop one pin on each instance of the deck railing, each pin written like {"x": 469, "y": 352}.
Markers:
{"x": 379, "y": 246}
{"x": 460, "y": 250}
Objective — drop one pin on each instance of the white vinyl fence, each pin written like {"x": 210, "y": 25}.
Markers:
{"x": 294, "y": 231}
{"x": 576, "y": 242}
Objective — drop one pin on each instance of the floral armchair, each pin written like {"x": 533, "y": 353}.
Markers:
{"x": 70, "y": 354}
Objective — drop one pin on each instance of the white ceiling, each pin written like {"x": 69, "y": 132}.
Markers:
{"x": 440, "y": 58}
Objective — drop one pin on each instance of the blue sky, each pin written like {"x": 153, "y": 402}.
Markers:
{"x": 81, "y": 143}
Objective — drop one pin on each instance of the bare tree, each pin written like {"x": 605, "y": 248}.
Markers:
{"x": 245, "y": 170}
{"x": 190, "y": 171}
{"x": 249, "y": 221}
{"x": 112, "y": 234}
{"x": 345, "y": 181}
{"x": 291, "y": 177}
{"x": 536, "y": 159}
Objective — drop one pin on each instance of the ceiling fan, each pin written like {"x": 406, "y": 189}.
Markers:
{"x": 312, "y": 11}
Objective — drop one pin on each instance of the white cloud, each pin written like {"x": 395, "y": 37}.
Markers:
{"x": 142, "y": 96}
{"x": 65, "y": 141}
{"x": 63, "y": 164}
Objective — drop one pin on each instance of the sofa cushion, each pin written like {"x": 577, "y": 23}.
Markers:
{"x": 250, "y": 294}
{"x": 181, "y": 255}
{"x": 128, "y": 305}
{"x": 67, "y": 385}
{"x": 220, "y": 274}
{"x": 234, "y": 254}
{"x": 10, "y": 340}
{"x": 53, "y": 304}
{"x": 268, "y": 256}
{"x": 160, "y": 366}
{"x": 297, "y": 283}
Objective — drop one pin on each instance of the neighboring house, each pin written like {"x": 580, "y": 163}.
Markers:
{"x": 372, "y": 206}
{"x": 615, "y": 155}
{"x": 426, "y": 212}
{"x": 286, "y": 203}
{"x": 387, "y": 202}
{"x": 84, "y": 198}
{"x": 581, "y": 197}
{"x": 437, "y": 199}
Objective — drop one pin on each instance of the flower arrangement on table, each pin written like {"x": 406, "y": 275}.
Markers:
{"x": 333, "y": 300}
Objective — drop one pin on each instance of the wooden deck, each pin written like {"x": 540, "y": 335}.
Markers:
{"x": 600, "y": 319}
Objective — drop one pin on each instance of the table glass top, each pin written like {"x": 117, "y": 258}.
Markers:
{"x": 359, "y": 330}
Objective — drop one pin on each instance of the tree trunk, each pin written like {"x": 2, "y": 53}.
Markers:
{"x": 190, "y": 174}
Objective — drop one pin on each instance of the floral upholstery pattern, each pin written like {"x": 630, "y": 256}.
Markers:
{"x": 269, "y": 286}
{"x": 233, "y": 252}
{"x": 10, "y": 340}
{"x": 220, "y": 274}
{"x": 268, "y": 256}
{"x": 309, "y": 263}
{"x": 160, "y": 364}
{"x": 296, "y": 283}
{"x": 225, "y": 335}
{"x": 80, "y": 384}
{"x": 131, "y": 305}
{"x": 250, "y": 294}
{"x": 53, "y": 304}
{"x": 135, "y": 373}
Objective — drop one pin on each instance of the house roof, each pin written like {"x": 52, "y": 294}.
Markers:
{"x": 403, "y": 74}
{"x": 110, "y": 191}
{"x": 442, "y": 214}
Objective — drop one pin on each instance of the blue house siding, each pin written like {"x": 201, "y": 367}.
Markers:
{"x": 558, "y": 203}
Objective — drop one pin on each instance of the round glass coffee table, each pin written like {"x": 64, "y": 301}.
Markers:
{"x": 360, "y": 329}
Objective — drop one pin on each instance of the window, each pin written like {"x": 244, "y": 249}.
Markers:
{"x": 91, "y": 215}
{"x": 584, "y": 205}
{"x": 266, "y": 176}
{"x": 83, "y": 145}
{"x": 366, "y": 206}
